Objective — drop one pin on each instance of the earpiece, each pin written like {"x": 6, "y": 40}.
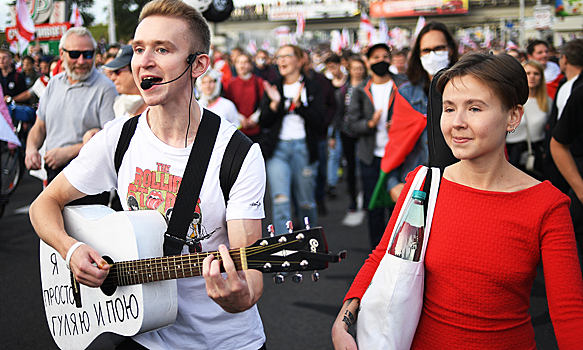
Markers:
{"x": 191, "y": 58}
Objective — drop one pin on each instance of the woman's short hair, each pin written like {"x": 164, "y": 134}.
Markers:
{"x": 502, "y": 73}
{"x": 199, "y": 29}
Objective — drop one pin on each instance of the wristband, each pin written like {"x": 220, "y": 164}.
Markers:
{"x": 70, "y": 253}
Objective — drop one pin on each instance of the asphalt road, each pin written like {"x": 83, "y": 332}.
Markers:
{"x": 295, "y": 316}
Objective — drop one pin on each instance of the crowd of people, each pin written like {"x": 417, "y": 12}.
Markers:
{"x": 316, "y": 118}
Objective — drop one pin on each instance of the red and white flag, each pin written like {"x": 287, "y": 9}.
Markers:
{"x": 24, "y": 24}
{"x": 301, "y": 24}
{"x": 76, "y": 18}
{"x": 252, "y": 47}
{"x": 366, "y": 26}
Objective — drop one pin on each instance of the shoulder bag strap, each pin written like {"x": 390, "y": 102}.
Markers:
{"x": 233, "y": 158}
{"x": 188, "y": 194}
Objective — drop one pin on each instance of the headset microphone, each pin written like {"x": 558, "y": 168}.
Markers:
{"x": 147, "y": 84}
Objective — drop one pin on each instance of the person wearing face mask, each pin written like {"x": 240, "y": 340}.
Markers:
{"x": 368, "y": 118}
{"x": 264, "y": 69}
{"x": 434, "y": 49}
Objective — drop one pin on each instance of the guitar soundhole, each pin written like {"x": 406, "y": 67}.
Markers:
{"x": 110, "y": 284}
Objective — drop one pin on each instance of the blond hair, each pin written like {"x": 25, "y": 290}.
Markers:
{"x": 201, "y": 35}
{"x": 541, "y": 89}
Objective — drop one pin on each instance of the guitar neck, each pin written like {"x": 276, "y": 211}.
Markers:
{"x": 168, "y": 267}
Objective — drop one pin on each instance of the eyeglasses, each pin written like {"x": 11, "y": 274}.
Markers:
{"x": 439, "y": 50}
{"x": 74, "y": 54}
{"x": 280, "y": 57}
{"x": 118, "y": 71}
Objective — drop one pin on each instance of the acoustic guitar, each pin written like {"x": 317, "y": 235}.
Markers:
{"x": 139, "y": 293}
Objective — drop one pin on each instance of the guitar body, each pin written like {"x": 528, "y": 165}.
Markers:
{"x": 102, "y": 320}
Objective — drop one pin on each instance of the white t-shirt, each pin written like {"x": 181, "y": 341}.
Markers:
{"x": 563, "y": 95}
{"x": 149, "y": 177}
{"x": 381, "y": 93}
{"x": 293, "y": 125}
{"x": 225, "y": 109}
{"x": 536, "y": 120}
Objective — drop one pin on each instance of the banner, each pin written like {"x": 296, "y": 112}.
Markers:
{"x": 43, "y": 32}
{"x": 410, "y": 8}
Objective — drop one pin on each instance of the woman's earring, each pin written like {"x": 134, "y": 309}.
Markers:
{"x": 513, "y": 130}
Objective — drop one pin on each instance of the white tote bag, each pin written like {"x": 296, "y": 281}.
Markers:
{"x": 391, "y": 306}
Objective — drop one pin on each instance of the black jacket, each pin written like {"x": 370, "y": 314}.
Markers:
{"x": 551, "y": 171}
{"x": 313, "y": 115}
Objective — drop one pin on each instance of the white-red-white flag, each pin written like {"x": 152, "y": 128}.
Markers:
{"x": 420, "y": 24}
{"x": 366, "y": 26}
{"x": 301, "y": 24}
{"x": 76, "y": 18}
{"x": 266, "y": 45}
{"x": 345, "y": 38}
{"x": 24, "y": 24}
{"x": 252, "y": 47}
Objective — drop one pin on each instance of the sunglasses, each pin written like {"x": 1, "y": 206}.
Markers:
{"x": 76, "y": 54}
{"x": 118, "y": 71}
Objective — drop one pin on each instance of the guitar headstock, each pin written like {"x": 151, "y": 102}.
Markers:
{"x": 301, "y": 250}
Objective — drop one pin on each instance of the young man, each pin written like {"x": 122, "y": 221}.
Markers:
{"x": 368, "y": 117}
{"x": 217, "y": 312}
{"x": 539, "y": 50}
{"x": 13, "y": 83}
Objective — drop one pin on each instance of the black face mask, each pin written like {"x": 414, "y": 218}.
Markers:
{"x": 380, "y": 68}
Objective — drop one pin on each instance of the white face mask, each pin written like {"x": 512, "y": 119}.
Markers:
{"x": 132, "y": 103}
{"x": 433, "y": 62}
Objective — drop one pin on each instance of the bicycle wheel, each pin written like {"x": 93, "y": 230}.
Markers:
{"x": 11, "y": 169}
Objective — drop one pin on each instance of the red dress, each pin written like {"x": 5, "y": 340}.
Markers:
{"x": 480, "y": 266}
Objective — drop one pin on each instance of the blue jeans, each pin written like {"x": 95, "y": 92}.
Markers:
{"x": 334, "y": 158}
{"x": 288, "y": 170}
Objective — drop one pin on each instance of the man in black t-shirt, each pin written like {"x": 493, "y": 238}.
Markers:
{"x": 567, "y": 152}
{"x": 13, "y": 83}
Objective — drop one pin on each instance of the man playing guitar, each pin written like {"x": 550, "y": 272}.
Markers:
{"x": 170, "y": 38}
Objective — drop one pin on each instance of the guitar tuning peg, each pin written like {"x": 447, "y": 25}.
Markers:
{"x": 315, "y": 276}
{"x": 307, "y": 222}
{"x": 270, "y": 230}
{"x": 290, "y": 226}
{"x": 297, "y": 278}
{"x": 278, "y": 278}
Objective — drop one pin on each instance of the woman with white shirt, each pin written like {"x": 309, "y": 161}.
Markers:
{"x": 532, "y": 126}
{"x": 209, "y": 86}
{"x": 292, "y": 117}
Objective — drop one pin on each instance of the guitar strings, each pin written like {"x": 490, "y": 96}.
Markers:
{"x": 167, "y": 266}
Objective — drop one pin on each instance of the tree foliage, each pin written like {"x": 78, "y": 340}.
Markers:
{"x": 84, "y": 7}
{"x": 126, "y": 17}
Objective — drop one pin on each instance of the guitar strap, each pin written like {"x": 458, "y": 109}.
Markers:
{"x": 187, "y": 196}
{"x": 233, "y": 158}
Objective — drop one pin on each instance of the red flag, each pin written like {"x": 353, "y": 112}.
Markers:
{"x": 406, "y": 126}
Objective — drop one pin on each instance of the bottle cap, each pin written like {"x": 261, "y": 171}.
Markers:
{"x": 419, "y": 195}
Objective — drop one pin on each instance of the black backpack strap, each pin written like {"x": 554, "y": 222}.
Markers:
{"x": 127, "y": 132}
{"x": 189, "y": 191}
{"x": 233, "y": 158}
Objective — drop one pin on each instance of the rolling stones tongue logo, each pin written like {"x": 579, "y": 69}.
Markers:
{"x": 154, "y": 200}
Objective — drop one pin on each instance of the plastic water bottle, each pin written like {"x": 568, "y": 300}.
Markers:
{"x": 408, "y": 241}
